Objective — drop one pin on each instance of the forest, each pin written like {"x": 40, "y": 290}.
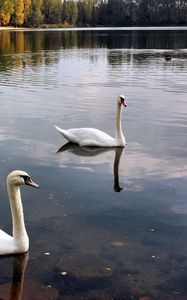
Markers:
{"x": 72, "y": 13}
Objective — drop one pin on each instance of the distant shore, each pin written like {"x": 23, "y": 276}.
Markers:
{"x": 12, "y": 28}
{"x": 60, "y": 27}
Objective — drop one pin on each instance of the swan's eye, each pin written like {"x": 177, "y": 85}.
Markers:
{"x": 26, "y": 178}
{"x": 29, "y": 181}
{"x": 123, "y": 101}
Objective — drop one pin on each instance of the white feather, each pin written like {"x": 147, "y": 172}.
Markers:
{"x": 93, "y": 137}
{"x": 18, "y": 242}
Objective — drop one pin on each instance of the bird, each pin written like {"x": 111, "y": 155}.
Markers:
{"x": 168, "y": 57}
{"x": 92, "y": 137}
{"x": 19, "y": 241}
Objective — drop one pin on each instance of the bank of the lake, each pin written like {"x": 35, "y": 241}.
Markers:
{"x": 48, "y": 27}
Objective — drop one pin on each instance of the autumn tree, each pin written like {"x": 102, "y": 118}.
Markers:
{"x": 27, "y": 7}
{"x": 94, "y": 12}
{"x": 18, "y": 16}
{"x": 6, "y": 10}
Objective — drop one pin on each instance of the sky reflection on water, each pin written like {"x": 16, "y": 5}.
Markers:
{"x": 107, "y": 244}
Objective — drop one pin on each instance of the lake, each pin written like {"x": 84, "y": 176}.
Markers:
{"x": 105, "y": 223}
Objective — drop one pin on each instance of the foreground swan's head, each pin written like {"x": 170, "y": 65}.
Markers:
{"x": 121, "y": 100}
{"x": 19, "y": 177}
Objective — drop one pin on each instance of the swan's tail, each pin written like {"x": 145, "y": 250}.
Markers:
{"x": 62, "y": 131}
{"x": 59, "y": 129}
{"x": 67, "y": 135}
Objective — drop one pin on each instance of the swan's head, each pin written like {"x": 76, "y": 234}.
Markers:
{"x": 121, "y": 100}
{"x": 19, "y": 177}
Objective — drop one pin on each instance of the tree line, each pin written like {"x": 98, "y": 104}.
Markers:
{"x": 93, "y": 12}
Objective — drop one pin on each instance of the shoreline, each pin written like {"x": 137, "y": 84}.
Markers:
{"x": 12, "y": 28}
{"x": 5, "y": 28}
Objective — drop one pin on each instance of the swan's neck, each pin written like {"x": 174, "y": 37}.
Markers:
{"x": 119, "y": 133}
{"x": 18, "y": 224}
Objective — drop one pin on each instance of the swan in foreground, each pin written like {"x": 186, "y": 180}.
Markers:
{"x": 97, "y": 138}
{"x": 19, "y": 242}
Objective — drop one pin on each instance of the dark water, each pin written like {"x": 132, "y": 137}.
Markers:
{"x": 90, "y": 239}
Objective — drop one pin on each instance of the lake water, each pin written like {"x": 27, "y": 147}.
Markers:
{"x": 105, "y": 224}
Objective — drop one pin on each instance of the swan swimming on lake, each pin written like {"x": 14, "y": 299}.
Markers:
{"x": 97, "y": 138}
{"x": 19, "y": 242}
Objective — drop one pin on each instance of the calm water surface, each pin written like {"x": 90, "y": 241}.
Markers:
{"x": 105, "y": 224}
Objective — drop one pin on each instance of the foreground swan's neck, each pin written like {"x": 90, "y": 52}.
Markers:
{"x": 19, "y": 231}
{"x": 119, "y": 133}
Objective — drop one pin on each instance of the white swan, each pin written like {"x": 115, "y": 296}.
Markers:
{"x": 94, "y": 137}
{"x": 19, "y": 242}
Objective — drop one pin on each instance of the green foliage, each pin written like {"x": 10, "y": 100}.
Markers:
{"x": 69, "y": 12}
{"x": 85, "y": 12}
{"x": 93, "y": 12}
{"x": 35, "y": 17}
{"x": 73, "y": 12}
{"x": 27, "y": 7}
{"x": 52, "y": 11}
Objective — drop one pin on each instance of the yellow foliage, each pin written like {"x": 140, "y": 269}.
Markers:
{"x": 4, "y": 17}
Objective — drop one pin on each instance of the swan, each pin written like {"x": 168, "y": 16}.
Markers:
{"x": 19, "y": 242}
{"x": 97, "y": 138}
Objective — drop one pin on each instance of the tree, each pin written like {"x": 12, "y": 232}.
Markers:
{"x": 130, "y": 12}
{"x": 115, "y": 12}
{"x": 52, "y": 11}
{"x": 65, "y": 15}
{"x": 181, "y": 12}
{"x": 6, "y": 9}
{"x": 35, "y": 17}
{"x": 143, "y": 15}
{"x": 93, "y": 12}
{"x": 18, "y": 12}
{"x": 27, "y": 7}
{"x": 102, "y": 13}
{"x": 86, "y": 10}
{"x": 74, "y": 12}
{"x": 69, "y": 12}
{"x": 89, "y": 8}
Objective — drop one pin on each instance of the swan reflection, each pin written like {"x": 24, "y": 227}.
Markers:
{"x": 94, "y": 151}
{"x": 19, "y": 265}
